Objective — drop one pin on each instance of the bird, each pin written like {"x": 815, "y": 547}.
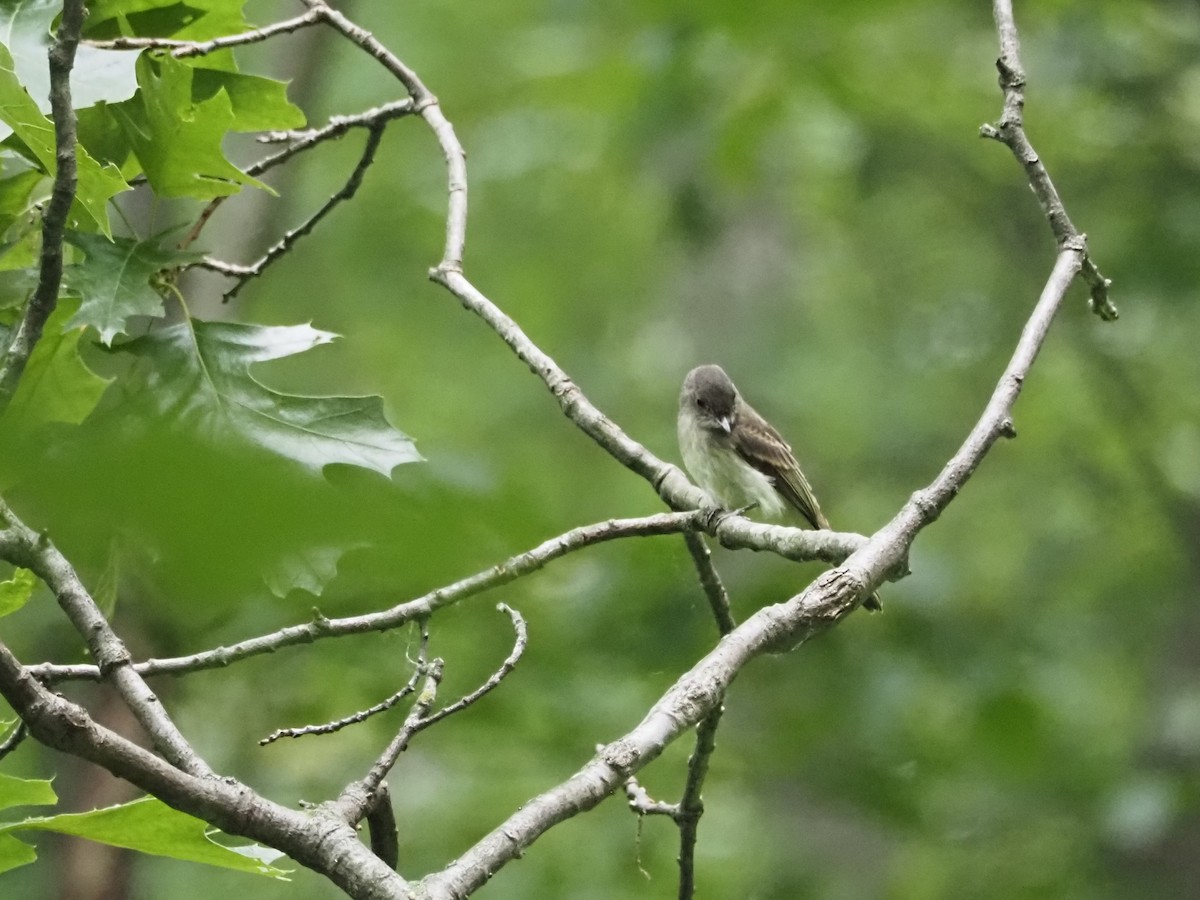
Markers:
{"x": 738, "y": 457}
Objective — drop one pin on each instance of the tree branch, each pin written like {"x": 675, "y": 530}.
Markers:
{"x": 184, "y": 49}
{"x": 710, "y": 581}
{"x": 357, "y": 798}
{"x": 21, "y": 546}
{"x": 348, "y": 190}
{"x": 419, "y": 608}
{"x": 314, "y": 839}
{"x": 780, "y": 627}
{"x": 54, "y": 221}
{"x": 1010, "y": 131}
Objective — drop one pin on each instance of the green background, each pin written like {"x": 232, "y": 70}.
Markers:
{"x": 798, "y": 192}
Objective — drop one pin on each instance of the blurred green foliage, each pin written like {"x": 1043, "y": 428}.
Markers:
{"x": 797, "y": 192}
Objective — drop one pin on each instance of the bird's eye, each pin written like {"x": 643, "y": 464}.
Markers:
{"x": 702, "y": 403}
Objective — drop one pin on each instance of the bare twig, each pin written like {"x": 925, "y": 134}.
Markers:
{"x": 642, "y": 803}
{"x": 691, "y": 805}
{"x": 710, "y": 580}
{"x": 419, "y": 671}
{"x": 1010, "y": 131}
{"x": 348, "y": 190}
{"x": 298, "y": 142}
{"x": 184, "y": 49}
{"x": 421, "y": 607}
{"x": 54, "y": 221}
{"x": 357, "y": 797}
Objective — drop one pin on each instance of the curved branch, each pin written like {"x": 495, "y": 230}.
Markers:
{"x": 24, "y": 547}
{"x": 316, "y": 839}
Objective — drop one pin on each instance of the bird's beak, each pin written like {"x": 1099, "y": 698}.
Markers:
{"x": 725, "y": 423}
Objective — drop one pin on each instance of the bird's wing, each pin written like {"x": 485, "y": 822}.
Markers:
{"x": 761, "y": 446}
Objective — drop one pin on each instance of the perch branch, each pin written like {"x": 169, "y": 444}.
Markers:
{"x": 418, "y": 608}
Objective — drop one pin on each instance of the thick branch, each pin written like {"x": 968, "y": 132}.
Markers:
{"x": 22, "y": 546}
{"x": 316, "y": 840}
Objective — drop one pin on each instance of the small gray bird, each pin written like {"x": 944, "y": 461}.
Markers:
{"x": 738, "y": 457}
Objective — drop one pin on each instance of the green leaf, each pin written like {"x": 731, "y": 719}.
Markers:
{"x": 14, "y": 853}
{"x": 150, "y": 826}
{"x": 97, "y": 185}
{"x": 115, "y": 280}
{"x": 176, "y": 139}
{"x": 195, "y": 20}
{"x": 306, "y": 569}
{"x": 259, "y": 104}
{"x": 15, "y": 196}
{"x": 98, "y": 75}
{"x": 14, "y": 594}
{"x": 57, "y": 385}
{"x": 201, "y": 377}
{"x": 25, "y": 792}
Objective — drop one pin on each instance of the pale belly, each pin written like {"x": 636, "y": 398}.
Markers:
{"x": 729, "y": 480}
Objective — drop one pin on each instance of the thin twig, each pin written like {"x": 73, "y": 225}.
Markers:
{"x": 54, "y": 220}
{"x": 306, "y": 139}
{"x": 710, "y": 580}
{"x": 642, "y": 803}
{"x": 356, "y": 798}
{"x": 691, "y": 805}
{"x": 348, "y": 190}
{"x": 300, "y": 141}
{"x": 421, "y": 607}
{"x": 1010, "y": 131}
{"x": 419, "y": 670}
{"x": 184, "y": 49}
